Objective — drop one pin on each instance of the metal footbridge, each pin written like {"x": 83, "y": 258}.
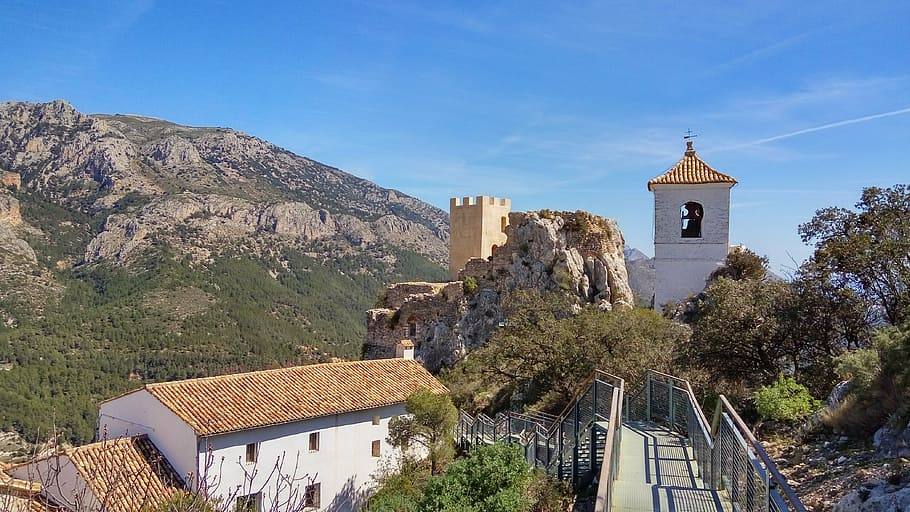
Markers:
{"x": 649, "y": 450}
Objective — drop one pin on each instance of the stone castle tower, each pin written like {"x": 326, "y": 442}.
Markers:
{"x": 691, "y": 226}
{"x": 478, "y": 224}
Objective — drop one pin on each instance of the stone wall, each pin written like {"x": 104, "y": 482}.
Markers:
{"x": 11, "y": 180}
{"x": 425, "y": 313}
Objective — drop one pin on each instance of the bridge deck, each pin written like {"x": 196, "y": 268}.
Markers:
{"x": 657, "y": 472}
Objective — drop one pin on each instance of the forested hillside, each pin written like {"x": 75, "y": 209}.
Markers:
{"x": 135, "y": 250}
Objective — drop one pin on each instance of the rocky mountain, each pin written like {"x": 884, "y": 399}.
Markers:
{"x": 640, "y": 269}
{"x": 574, "y": 253}
{"x": 155, "y": 177}
{"x": 135, "y": 249}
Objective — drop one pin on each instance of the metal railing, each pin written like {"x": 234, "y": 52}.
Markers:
{"x": 565, "y": 446}
{"x": 727, "y": 455}
{"x": 744, "y": 469}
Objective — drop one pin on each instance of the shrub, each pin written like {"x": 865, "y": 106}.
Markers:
{"x": 492, "y": 478}
{"x": 469, "y": 285}
{"x": 786, "y": 400}
{"x": 400, "y": 490}
{"x": 861, "y": 367}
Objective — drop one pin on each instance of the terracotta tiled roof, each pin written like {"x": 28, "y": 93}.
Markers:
{"x": 20, "y": 495}
{"x": 228, "y": 403}
{"x": 691, "y": 170}
{"x": 127, "y": 474}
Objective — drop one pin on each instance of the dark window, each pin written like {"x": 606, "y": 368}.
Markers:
{"x": 691, "y": 215}
{"x": 249, "y": 503}
{"x": 412, "y": 328}
{"x": 503, "y": 223}
{"x": 314, "y": 441}
{"x": 376, "y": 420}
{"x": 376, "y": 448}
{"x": 311, "y": 496}
{"x": 252, "y": 452}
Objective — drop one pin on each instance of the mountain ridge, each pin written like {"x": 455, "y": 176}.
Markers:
{"x": 135, "y": 250}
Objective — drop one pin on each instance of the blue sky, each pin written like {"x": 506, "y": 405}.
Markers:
{"x": 561, "y": 105}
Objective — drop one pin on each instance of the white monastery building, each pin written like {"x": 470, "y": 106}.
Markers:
{"x": 257, "y": 440}
{"x": 691, "y": 226}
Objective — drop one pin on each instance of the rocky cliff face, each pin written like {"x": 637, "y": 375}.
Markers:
{"x": 641, "y": 275}
{"x": 155, "y": 179}
{"x": 575, "y": 253}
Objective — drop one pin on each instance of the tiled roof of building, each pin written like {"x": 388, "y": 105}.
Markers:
{"x": 125, "y": 474}
{"x": 129, "y": 473}
{"x": 690, "y": 170}
{"x": 20, "y": 495}
{"x": 230, "y": 403}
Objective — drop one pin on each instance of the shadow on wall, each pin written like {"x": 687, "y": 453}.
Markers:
{"x": 349, "y": 499}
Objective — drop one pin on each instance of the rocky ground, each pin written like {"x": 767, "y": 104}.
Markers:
{"x": 835, "y": 473}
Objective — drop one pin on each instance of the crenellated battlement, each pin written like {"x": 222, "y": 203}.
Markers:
{"x": 475, "y": 201}
{"x": 478, "y": 225}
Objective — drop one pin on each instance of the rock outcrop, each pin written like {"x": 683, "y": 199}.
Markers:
{"x": 892, "y": 442}
{"x": 575, "y": 253}
{"x": 877, "y": 496}
{"x": 151, "y": 177}
{"x": 203, "y": 223}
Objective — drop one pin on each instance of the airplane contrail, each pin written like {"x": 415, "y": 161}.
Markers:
{"x": 830, "y": 125}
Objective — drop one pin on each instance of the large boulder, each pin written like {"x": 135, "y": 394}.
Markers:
{"x": 574, "y": 252}
{"x": 879, "y": 496}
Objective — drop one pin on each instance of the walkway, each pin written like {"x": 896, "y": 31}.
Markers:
{"x": 658, "y": 473}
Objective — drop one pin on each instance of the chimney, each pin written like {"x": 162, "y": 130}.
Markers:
{"x": 404, "y": 349}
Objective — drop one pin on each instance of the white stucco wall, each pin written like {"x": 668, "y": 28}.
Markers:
{"x": 60, "y": 481}
{"x": 682, "y": 265}
{"x": 141, "y": 413}
{"x": 344, "y": 464}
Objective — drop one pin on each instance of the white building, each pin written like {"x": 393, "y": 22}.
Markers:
{"x": 691, "y": 226}
{"x": 258, "y": 440}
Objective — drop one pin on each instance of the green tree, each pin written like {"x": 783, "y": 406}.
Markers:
{"x": 741, "y": 263}
{"x": 493, "y": 478}
{"x": 544, "y": 352}
{"x": 735, "y": 331}
{"x": 867, "y": 249}
{"x": 747, "y": 331}
{"x": 429, "y": 422}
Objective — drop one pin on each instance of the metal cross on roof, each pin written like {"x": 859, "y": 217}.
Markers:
{"x": 689, "y": 135}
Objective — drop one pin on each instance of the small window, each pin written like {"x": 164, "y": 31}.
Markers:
{"x": 314, "y": 441}
{"x": 691, "y": 215}
{"x": 311, "y": 496}
{"x": 503, "y": 223}
{"x": 376, "y": 420}
{"x": 377, "y": 448}
{"x": 252, "y": 452}
{"x": 412, "y": 328}
{"x": 249, "y": 503}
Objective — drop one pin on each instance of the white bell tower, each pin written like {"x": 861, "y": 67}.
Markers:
{"x": 691, "y": 226}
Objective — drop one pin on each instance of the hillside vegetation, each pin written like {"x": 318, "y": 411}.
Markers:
{"x": 139, "y": 250}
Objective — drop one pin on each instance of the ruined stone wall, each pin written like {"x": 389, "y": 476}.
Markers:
{"x": 424, "y": 313}
{"x": 11, "y": 180}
